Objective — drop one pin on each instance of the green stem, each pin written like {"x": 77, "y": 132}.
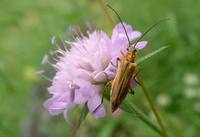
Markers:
{"x": 142, "y": 116}
{"x": 104, "y": 8}
{"x": 153, "y": 108}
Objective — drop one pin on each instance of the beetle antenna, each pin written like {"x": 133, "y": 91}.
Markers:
{"x": 120, "y": 19}
{"x": 149, "y": 29}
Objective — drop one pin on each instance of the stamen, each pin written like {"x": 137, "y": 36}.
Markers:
{"x": 89, "y": 26}
{"x": 41, "y": 73}
{"x": 45, "y": 59}
{"x": 54, "y": 42}
{"x": 68, "y": 42}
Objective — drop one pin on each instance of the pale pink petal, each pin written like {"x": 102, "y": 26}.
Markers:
{"x": 100, "y": 77}
{"x": 141, "y": 45}
{"x": 119, "y": 33}
{"x": 94, "y": 102}
{"x": 119, "y": 30}
{"x": 135, "y": 34}
{"x": 86, "y": 88}
{"x": 95, "y": 106}
{"x": 79, "y": 98}
{"x": 54, "y": 108}
{"x": 100, "y": 112}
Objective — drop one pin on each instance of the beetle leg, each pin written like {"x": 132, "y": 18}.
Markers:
{"x": 123, "y": 54}
{"x": 135, "y": 68}
{"x": 118, "y": 60}
{"x": 132, "y": 92}
{"x": 136, "y": 71}
{"x": 137, "y": 81}
{"x": 135, "y": 77}
{"x": 110, "y": 82}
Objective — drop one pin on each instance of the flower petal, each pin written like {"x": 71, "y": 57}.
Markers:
{"x": 96, "y": 107}
{"x": 100, "y": 112}
{"x": 94, "y": 102}
{"x": 54, "y": 107}
{"x": 119, "y": 32}
{"x": 119, "y": 29}
{"x": 101, "y": 77}
{"x": 141, "y": 45}
{"x": 79, "y": 98}
{"x": 135, "y": 34}
{"x": 111, "y": 69}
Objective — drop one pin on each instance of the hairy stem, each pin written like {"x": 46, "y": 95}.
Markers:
{"x": 153, "y": 108}
{"x": 133, "y": 109}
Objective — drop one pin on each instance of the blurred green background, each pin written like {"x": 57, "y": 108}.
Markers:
{"x": 26, "y": 28}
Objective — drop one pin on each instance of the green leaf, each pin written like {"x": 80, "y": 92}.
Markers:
{"x": 127, "y": 107}
{"x": 150, "y": 55}
{"x": 83, "y": 115}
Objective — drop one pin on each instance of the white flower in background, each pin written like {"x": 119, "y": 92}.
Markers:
{"x": 196, "y": 107}
{"x": 190, "y": 93}
{"x": 190, "y": 79}
{"x": 163, "y": 100}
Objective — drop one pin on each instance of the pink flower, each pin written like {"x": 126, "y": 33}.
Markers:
{"x": 83, "y": 70}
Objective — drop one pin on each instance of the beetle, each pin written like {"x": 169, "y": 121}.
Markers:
{"x": 121, "y": 84}
{"x": 127, "y": 70}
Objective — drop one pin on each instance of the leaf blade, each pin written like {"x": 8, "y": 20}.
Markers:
{"x": 140, "y": 60}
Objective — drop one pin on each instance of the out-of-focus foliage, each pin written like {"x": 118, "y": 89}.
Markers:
{"x": 26, "y": 27}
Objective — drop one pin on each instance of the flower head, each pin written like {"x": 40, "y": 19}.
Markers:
{"x": 83, "y": 70}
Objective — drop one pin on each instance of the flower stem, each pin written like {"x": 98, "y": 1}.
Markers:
{"x": 147, "y": 95}
{"x": 104, "y": 8}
